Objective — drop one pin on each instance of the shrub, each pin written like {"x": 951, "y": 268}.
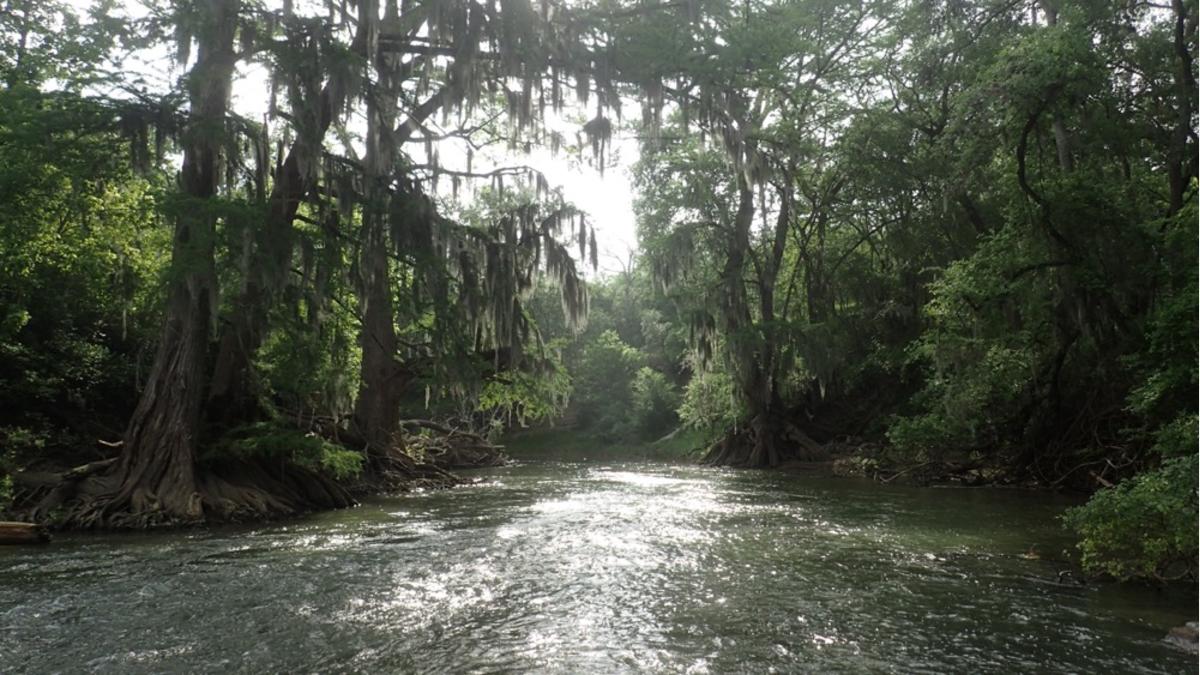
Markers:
{"x": 1144, "y": 527}
{"x": 6, "y": 493}
{"x": 523, "y": 397}
{"x": 710, "y": 404}
{"x": 654, "y": 402}
{"x": 307, "y": 450}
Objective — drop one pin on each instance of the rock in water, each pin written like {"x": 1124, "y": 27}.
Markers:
{"x": 22, "y": 533}
{"x": 1185, "y": 637}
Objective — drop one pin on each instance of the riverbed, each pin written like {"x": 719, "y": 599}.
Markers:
{"x": 583, "y": 567}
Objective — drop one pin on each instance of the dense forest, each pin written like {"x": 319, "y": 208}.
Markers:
{"x": 928, "y": 241}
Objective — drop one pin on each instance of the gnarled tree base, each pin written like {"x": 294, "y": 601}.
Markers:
{"x": 243, "y": 490}
{"x": 767, "y": 441}
{"x": 87, "y": 498}
{"x": 393, "y": 470}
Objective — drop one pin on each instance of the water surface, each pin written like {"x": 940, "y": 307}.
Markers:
{"x": 576, "y": 567}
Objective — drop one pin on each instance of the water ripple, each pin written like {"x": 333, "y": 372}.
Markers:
{"x": 575, "y": 568}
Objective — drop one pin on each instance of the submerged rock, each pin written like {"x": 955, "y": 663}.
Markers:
{"x": 1185, "y": 637}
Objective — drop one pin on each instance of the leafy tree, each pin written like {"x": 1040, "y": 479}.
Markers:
{"x": 239, "y": 224}
{"x": 654, "y": 402}
{"x": 603, "y": 384}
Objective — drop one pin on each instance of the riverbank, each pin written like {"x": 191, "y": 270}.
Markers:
{"x": 568, "y": 443}
{"x": 261, "y": 473}
{"x": 846, "y": 457}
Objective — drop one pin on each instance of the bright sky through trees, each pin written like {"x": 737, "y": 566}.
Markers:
{"x": 607, "y": 198}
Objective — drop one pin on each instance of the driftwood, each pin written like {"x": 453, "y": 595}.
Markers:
{"x": 450, "y": 448}
{"x": 669, "y": 436}
{"x": 41, "y": 479}
{"x": 22, "y": 533}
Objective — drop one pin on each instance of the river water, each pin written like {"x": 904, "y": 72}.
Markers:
{"x": 581, "y": 568}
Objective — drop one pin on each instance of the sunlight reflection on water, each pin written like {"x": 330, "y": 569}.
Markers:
{"x": 570, "y": 568}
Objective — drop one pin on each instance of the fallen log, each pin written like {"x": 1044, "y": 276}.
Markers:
{"x": 22, "y": 533}
{"x": 44, "y": 479}
{"x": 669, "y": 436}
{"x": 92, "y": 468}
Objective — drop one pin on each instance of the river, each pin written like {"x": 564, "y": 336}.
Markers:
{"x": 594, "y": 567}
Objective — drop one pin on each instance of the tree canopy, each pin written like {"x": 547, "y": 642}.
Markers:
{"x": 948, "y": 235}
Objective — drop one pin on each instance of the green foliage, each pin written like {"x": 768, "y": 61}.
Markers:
{"x": 654, "y": 402}
{"x": 710, "y": 403}
{"x": 603, "y": 385}
{"x": 19, "y": 443}
{"x": 1167, "y": 364}
{"x": 1146, "y": 526}
{"x": 626, "y": 363}
{"x": 311, "y": 369}
{"x": 985, "y": 338}
{"x": 6, "y": 492}
{"x": 1177, "y": 438}
{"x": 81, "y": 253}
{"x": 265, "y": 441}
{"x": 18, "y": 447}
{"x": 526, "y": 397}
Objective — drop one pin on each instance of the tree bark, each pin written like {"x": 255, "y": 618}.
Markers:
{"x": 230, "y": 397}
{"x": 156, "y": 473}
{"x": 1182, "y": 164}
{"x": 1062, "y": 137}
{"x": 816, "y": 286}
{"x": 377, "y": 407}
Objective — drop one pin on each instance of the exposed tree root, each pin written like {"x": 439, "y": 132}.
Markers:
{"x": 87, "y": 498}
{"x": 767, "y": 441}
{"x": 394, "y": 470}
{"x": 98, "y": 495}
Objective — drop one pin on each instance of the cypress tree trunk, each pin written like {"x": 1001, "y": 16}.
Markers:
{"x": 377, "y": 410}
{"x": 230, "y": 395}
{"x": 769, "y": 437}
{"x": 155, "y": 476}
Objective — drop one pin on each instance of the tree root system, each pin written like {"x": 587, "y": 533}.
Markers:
{"x": 767, "y": 441}
{"x": 99, "y": 495}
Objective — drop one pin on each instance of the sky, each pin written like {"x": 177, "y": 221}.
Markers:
{"x": 607, "y": 199}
